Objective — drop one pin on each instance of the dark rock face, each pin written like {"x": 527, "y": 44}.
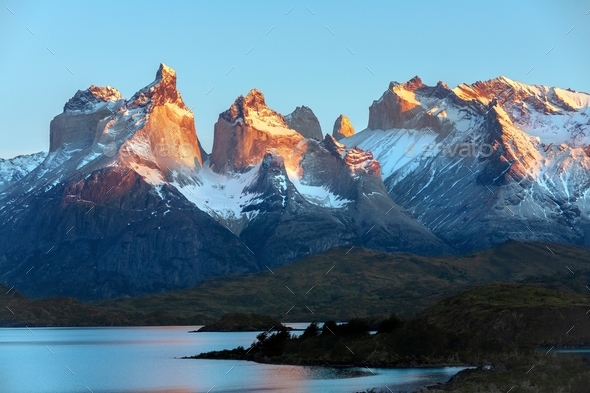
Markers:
{"x": 304, "y": 121}
{"x": 75, "y": 130}
{"x": 342, "y": 128}
{"x": 86, "y": 241}
{"x": 289, "y": 227}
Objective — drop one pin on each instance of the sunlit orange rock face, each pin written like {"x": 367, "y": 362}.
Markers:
{"x": 398, "y": 108}
{"x": 169, "y": 127}
{"x": 342, "y": 128}
{"x": 247, "y": 130}
{"x": 153, "y": 129}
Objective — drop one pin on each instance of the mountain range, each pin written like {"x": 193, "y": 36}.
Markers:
{"x": 127, "y": 202}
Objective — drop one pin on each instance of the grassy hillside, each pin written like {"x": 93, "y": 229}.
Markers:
{"x": 515, "y": 314}
{"x": 340, "y": 285}
{"x": 337, "y": 284}
{"x": 18, "y": 310}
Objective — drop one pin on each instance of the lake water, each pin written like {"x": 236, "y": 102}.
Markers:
{"x": 145, "y": 360}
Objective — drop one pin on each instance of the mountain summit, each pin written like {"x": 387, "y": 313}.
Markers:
{"x": 125, "y": 204}
{"x": 486, "y": 162}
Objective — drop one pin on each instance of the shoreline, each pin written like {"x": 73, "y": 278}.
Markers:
{"x": 400, "y": 365}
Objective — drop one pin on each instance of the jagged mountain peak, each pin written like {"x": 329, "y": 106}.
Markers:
{"x": 164, "y": 131}
{"x": 304, "y": 121}
{"x": 542, "y": 98}
{"x": 414, "y": 83}
{"x": 254, "y": 100}
{"x": 166, "y": 73}
{"x": 245, "y": 131}
{"x": 342, "y": 128}
{"x": 160, "y": 91}
{"x": 271, "y": 178}
{"x": 253, "y": 107}
{"x": 240, "y": 109}
{"x": 87, "y": 100}
{"x": 411, "y": 85}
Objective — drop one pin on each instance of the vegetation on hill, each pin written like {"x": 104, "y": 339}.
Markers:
{"x": 338, "y": 284}
{"x": 536, "y": 373}
{"x": 60, "y": 311}
{"x": 484, "y": 325}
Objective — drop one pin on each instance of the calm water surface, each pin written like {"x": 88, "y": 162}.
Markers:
{"x": 144, "y": 360}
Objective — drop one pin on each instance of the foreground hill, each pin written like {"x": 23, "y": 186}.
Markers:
{"x": 516, "y": 315}
{"x": 339, "y": 284}
{"x": 495, "y": 327}
{"x": 483, "y": 325}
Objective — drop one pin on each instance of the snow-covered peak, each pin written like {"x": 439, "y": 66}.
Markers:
{"x": 14, "y": 169}
{"x": 252, "y": 110}
{"x": 91, "y": 99}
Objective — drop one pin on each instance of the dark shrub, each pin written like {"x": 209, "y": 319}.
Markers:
{"x": 392, "y": 323}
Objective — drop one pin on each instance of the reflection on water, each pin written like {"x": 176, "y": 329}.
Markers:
{"x": 566, "y": 351}
{"x": 146, "y": 360}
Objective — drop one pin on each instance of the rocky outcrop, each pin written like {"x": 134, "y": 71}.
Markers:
{"x": 304, "y": 121}
{"x": 247, "y": 130}
{"x": 165, "y": 128}
{"x": 342, "y": 128}
{"x": 77, "y": 127}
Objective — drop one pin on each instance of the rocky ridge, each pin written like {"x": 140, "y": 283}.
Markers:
{"x": 483, "y": 163}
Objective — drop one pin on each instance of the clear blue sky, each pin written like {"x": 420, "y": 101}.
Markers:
{"x": 299, "y": 62}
